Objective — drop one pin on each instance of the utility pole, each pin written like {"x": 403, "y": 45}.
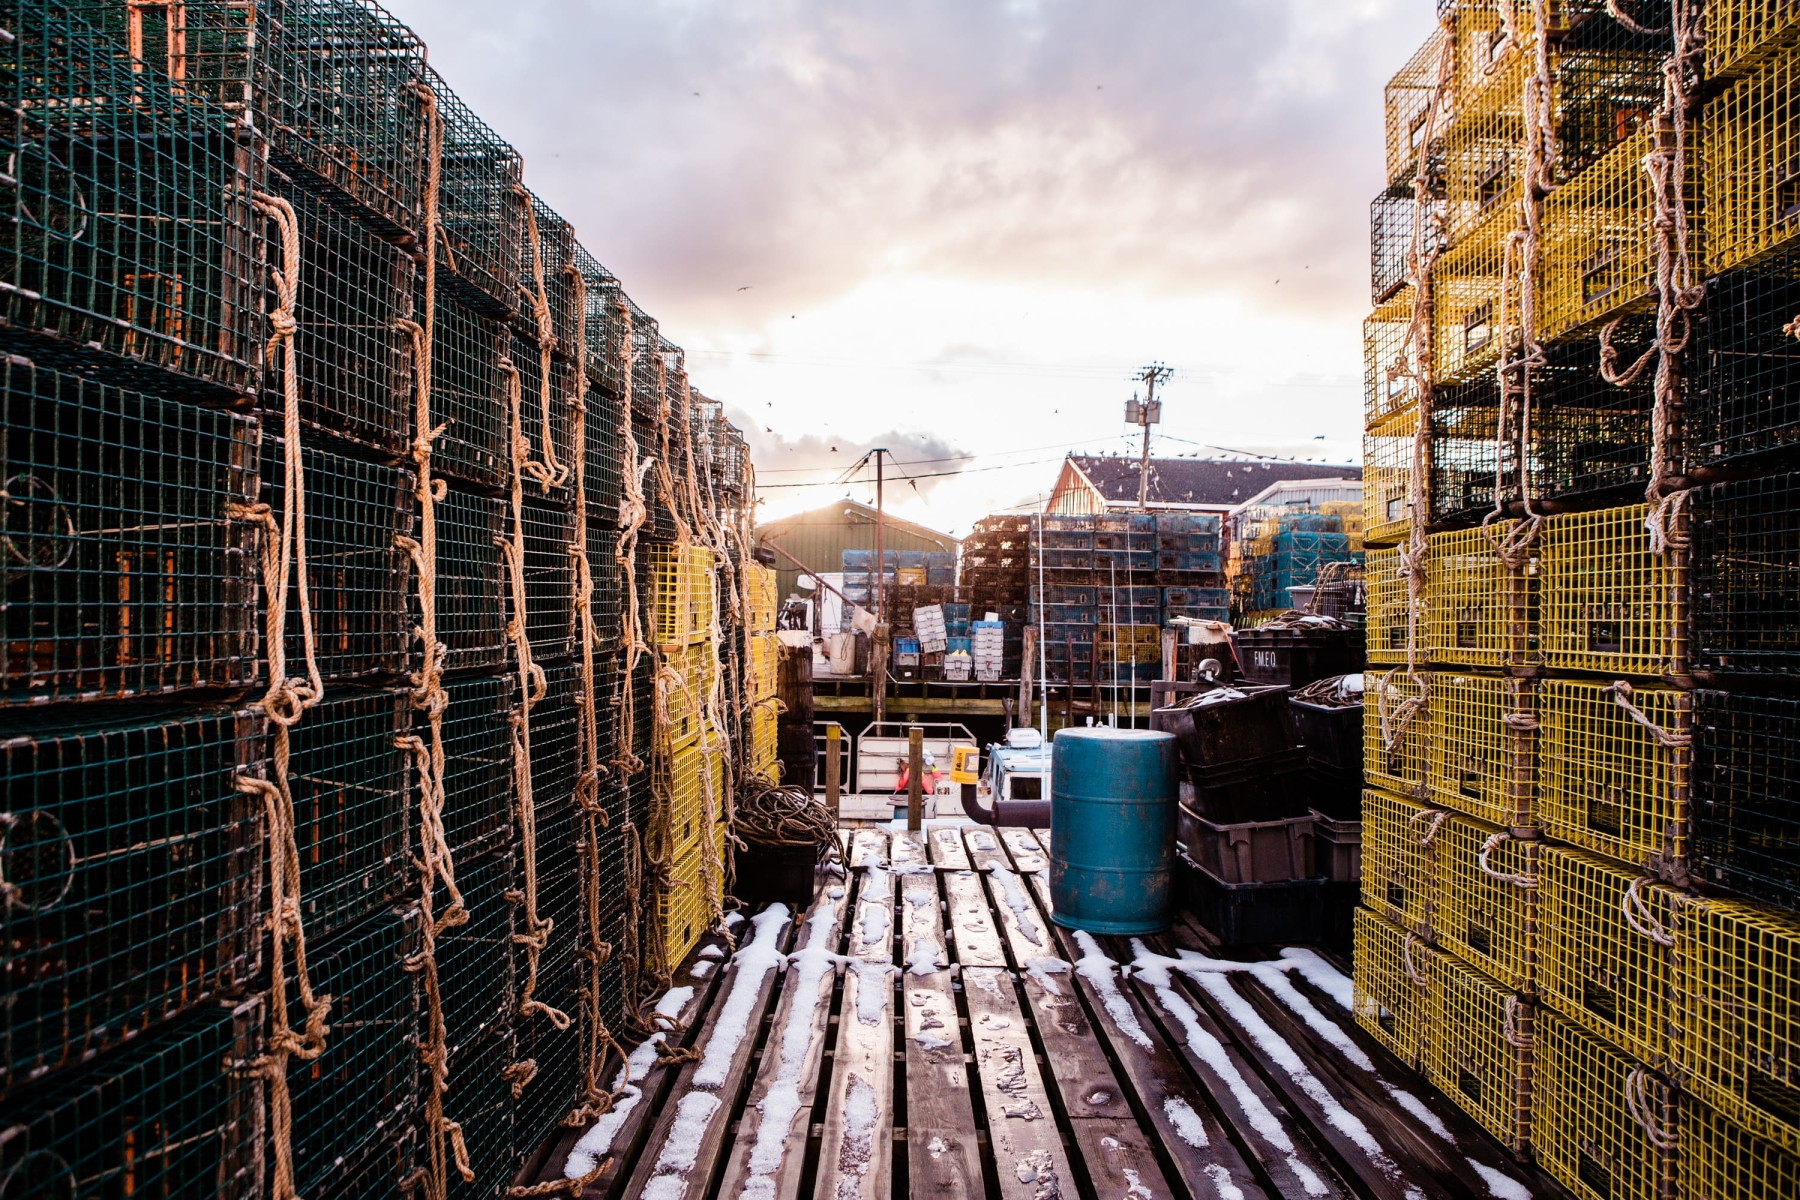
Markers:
{"x": 879, "y": 651}
{"x": 1144, "y": 414}
{"x": 880, "y": 528}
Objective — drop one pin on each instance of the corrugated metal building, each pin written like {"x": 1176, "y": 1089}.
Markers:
{"x": 819, "y": 538}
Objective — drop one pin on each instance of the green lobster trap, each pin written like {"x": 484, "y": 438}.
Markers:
{"x": 133, "y": 866}
{"x": 478, "y": 204}
{"x": 478, "y": 765}
{"x": 467, "y": 404}
{"x": 126, "y": 570}
{"x": 473, "y": 589}
{"x": 474, "y": 959}
{"x": 547, "y": 530}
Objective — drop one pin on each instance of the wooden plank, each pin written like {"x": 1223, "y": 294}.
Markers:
{"x": 1027, "y": 1146}
{"x": 947, "y": 849}
{"x": 689, "y": 1134}
{"x": 857, "y": 1150}
{"x": 626, "y": 1127}
{"x": 942, "y": 1156}
{"x": 1370, "y": 1083}
{"x": 1119, "y": 1159}
{"x": 1083, "y": 1078}
{"x": 1197, "y": 1142}
{"x": 1027, "y": 855}
{"x": 1043, "y": 837}
{"x": 971, "y": 925}
{"x": 773, "y": 1154}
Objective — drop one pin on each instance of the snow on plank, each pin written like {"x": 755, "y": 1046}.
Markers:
{"x": 688, "y": 1136}
{"x": 771, "y": 1141}
{"x": 1022, "y": 1132}
{"x": 1028, "y": 857}
{"x": 856, "y": 1153}
{"x": 947, "y": 849}
{"x": 942, "y": 1155}
{"x": 1121, "y": 1162}
{"x": 1201, "y": 1148}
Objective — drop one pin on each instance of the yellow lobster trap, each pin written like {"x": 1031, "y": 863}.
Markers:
{"x": 682, "y": 582}
{"x": 1613, "y": 782}
{"x": 1610, "y": 974}
{"x": 1396, "y": 738}
{"x": 1752, "y": 135}
{"x": 1391, "y": 985}
{"x": 1484, "y": 746}
{"x": 1486, "y": 911}
{"x": 1482, "y": 614}
{"x": 1478, "y": 1051}
{"x": 1609, "y": 604}
{"x": 1387, "y": 472}
{"x": 1721, "y": 1160}
{"x": 1399, "y": 864}
{"x": 1583, "y": 1095}
{"x": 1388, "y": 629}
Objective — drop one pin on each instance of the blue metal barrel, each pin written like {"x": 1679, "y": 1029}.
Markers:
{"x": 1112, "y": 829}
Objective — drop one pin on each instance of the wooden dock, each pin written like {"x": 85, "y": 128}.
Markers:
{"x": 925, "y": 1030}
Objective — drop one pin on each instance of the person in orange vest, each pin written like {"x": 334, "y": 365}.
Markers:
{"x": 927, "y": 783}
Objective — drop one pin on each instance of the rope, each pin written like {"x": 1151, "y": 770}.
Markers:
{"x": 1481, "y": 860}
{"x": 787, "y": 816}
{"x": 1638, "y": 915}
{"x": 1676, "y": 295}
{"x": 532, "y": 686}
{"x": 285, "y": 702}
{"x": 1622, "y": 692}
{"x": 596, "y": 1099}
{"x": 549, "y": 473}
{"x": 1510, "y": 1029}
{"x": 1641, "y": 1105}
{"x": 1432, "y": 819}
{"x": 1394, "y": 725}
{"x": 1612, "y": 10}
{"x": 1406, "y": 959}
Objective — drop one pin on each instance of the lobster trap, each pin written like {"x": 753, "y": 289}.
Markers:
{"x": 1590, "y": 438}
{"x": 1468, "y": 457}
{"x": 1484, "y": 746}
{"x": 481, "y": 1100}
{"x": 1747, "y": 794}
{"x": 1740, "y": 33}
{"x": 358, "y": 576}
{"x": 547, "y": 531}
{"x": 1752, "y": 191}
{"x": 1387, "y": 478}
{"x": 1607, "y": 781}
{"x": 1400, "y": 864}
{"x": 133, "y": 231}
{"x": 1746, "y": 597}
{"x": 478, "y": 204}
{"x": 681, "y": 909}
{"x": 1389, "y": 362}
{"x": 466, "y": 404}
{"x": 133, "y": 866}
{"x": 548, "y": 442}
{"x": 356, "y": 1107}
{"x": 1389, "y": 601}
{"x": 548, "y": 248}
{"x": 1582, "y": 1130}
{"x": 554, "y": 1088}
{"x": 1607, "y": 83}
{"x": 1609, "y": 604}
{"x": 477, "y": 738}
{"x": 179, "y": 1113}
{"x": 202, "y": 48}
{"x": 1394, "y": 223}
{"x": 1739, "y": 1046}
{"x": 1395, "y": 744}
{"x": 1614, "y": 980}
{"x": 1479, "y": 1052}
{"x": 338, "y": 89}
{"x": 125, "y": 570}
{"x": 1484, "y": 155}
{"x": 1481, "y": 613}
{"x": 1406, "y": 105}
{"x": 554, "y": 759}
{"x": 351, "y": 359}
{"x": 350, "y": 784}
{"x": 1720, "y": 1158}
{"x": 1743, "y": 397}
{"x": 478, "y": 993}
{"x": 1487, "y": 912}
{"x": 472, "y": 586}
{"x": 681, "y": 581}
{"x": 1391, "y": 985}
{"x": 1466, "y": 299}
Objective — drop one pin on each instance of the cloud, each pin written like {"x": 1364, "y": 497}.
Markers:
{"x": 915, "y": 466}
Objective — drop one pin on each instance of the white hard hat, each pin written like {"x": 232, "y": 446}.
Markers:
{"x": 930, "y": 759}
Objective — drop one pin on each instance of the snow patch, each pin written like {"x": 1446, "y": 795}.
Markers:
{"x": 712, "y": 951}
{"x": 1500, "y": 1186}
{"x": 1420, "y": 1113}
{"x": 1018, "y": 901}
{"x": 692, "y": 1117}
{"x": 732, "y": 918}
{"x": 862, "y": 1111}
{"x": 1188, "y": 1125}
{"x": 753, "y": 963}
{"x": 1041, "y": 969}
{"x": 871, "y": 990}
{"x": 700, "y": 970}
{"x": 1321, "y": 974}
{"x": 811, "y": 965}
{"x": 1097, "y": 969}
{"x": 585, "y": 1154}
{"x": 1134, "y": 1186}
{"x": 876, "y": 920}
{"x": 1223, "y": 1183}
{"x": 922, "y": 959}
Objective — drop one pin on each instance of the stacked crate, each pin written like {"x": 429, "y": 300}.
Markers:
{"x": 1579, "y": 908}
{"x": 762, "y": 657}
{"x": 153, "y": 445}
{"x": 1276, "y": 549}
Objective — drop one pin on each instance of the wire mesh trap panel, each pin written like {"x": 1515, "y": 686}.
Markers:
{"x": 358, "y": 575}
{"x": 477, "y": 736}
{"x": 1606, "y": 781}
{"x": 1483, "y": 746}
{"x": 1608, "y": 602}
{"x": 1581, "y": 1130}
{"x": 1470, "y": 1055}
{"x": 1400, "y": 874}
{"x": 350, "y": 786}
{"x": 1394, "y": 744}
{"x": 553, "y": 737}
{"x": 481, "y": 1100}
{"x": 356, "y": 1106}
{"x": 1590, "y": 437}
{"x": 1747, "y": 793}
{"x": 175, "y": 1114}
{"x": 1468, "y": 458}
{"x": 465, "y": 390}
{"x": 125, "y": 572}
{"x": 1389, "y": 361}
{"x": 1387, "y": 475}
{"x": 477, "y": 203}
{"x": 1595, "y": 969}
{"x": 547, "y": 532}
{"x": 1608, "y": 80}
{"x": 1394, "y": 223}
{"x": 553, "y": 1090}
{"x": 472, "y": 586}
{"x": 205, "y": 47}
{"x": 1720, "y": 1158}
{"x": 132, "y": 229}
{"x": 1739, "y": 1044}
{"x": 353, "y": 366}
{"x": 134, "y": 869}
{"x": 338, "y": 89}
{"x": 553, "y": 253}
{"x": 1746, "y": 608}
{"x": 1752, "y": 192}
{"x": 1743, "y": 400}
{"x": 1391, "y": 985}
{"x": 1740, "y": 33}
{"x": 534, "y": 394}
{"x": 1480, "y": 612}
{"x": 474, "y": 959}
{"x": 1488, "y": 920}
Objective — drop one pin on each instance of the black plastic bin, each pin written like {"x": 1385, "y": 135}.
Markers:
{"x": 785, "y": 873}
{"x": 1296, "y": 657}
{"x": 1254, "y": 914}
{"x": 1335, "y": 791}
{"x": 1238, "y": 724}
{"x": 1338, "y": 919}
{"x": 1273, "y": 787}
{"x": 1332, "y": 735}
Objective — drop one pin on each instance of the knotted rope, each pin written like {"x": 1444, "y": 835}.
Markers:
{"x": 549, "y": 473}
{"x": 1481, "y": 860}
{"x": 1677, "y": 296}
{"x": 1637, "y": 914}
{"x": 532, "y": 686}
{"x": 285, "y": 702}
{"x": 1622, "y": 692}
{"x": 1642, "y": 1106}
{"x": 1430, "y": 820}
{"x": 1511, "y": 1024}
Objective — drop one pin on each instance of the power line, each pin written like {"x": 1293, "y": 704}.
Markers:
{"x": 763, "y": 487}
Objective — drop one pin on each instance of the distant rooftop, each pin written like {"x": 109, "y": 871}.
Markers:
{"x": 1222, "y": 483}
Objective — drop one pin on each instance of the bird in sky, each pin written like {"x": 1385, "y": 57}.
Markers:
{"x": 746, "y": 287}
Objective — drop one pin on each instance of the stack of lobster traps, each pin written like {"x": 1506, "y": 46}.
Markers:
{"x": 1580, "y": 912}
{"x": 326, "y": 710}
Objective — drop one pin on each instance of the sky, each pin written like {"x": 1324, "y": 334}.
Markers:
{"x": 958, "y": 229}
